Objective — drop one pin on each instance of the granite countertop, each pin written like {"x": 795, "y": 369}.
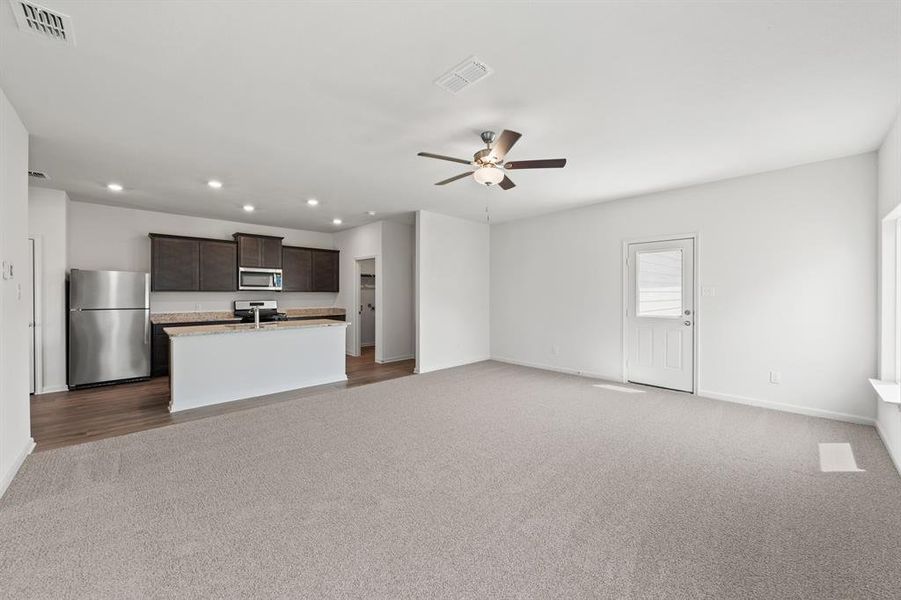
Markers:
{"x": 227, "y": 315}
{"x": 249, "y": 327}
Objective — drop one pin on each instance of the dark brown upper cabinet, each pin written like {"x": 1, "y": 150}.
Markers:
{"x": 174, "y": 263}
{"x": 218, "y": 266}
{"x": 188, "y": 264}
{"x": 325, "y": 270}
{"x": 261, "y": 251}
{"x": 297, "y": 269}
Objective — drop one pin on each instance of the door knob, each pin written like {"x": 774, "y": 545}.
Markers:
{"x": 687, "y": 323}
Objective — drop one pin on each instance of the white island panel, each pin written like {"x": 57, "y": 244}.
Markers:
{"x": 220, "y": 367}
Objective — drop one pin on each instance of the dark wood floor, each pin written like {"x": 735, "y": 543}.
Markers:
{"x": 67, "y": 418}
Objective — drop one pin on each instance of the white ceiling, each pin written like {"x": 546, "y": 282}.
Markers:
{"x": 285, "y": 101}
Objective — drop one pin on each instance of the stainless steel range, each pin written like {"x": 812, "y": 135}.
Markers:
{"x": 268, "y": 310}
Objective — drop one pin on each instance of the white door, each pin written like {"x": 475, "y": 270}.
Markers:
{"x": 31, "y": 319}
{"x": 660, "y": 314}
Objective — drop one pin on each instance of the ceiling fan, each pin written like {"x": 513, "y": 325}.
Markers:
{"x": 489, "y": 162}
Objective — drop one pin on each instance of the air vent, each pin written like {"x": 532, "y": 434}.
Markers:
{"x": 38, "y": 175}
{"x": 464, "y": 75}
{"x": 41, "y": 21}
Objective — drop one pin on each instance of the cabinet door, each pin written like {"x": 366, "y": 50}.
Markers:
{"x": 271, "y": 253}
{"x": 250, "y": 251}
{"x": 218, "y": 266}
{"x": 159, "y": 355}
{"x": 325, "y": 271}
{"x": 297, "y": 269}
{"x": 175, "y": 265}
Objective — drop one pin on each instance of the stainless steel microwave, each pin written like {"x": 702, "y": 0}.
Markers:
{"x": 253, "y": 278}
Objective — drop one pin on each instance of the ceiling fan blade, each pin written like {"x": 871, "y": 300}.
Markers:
{"x": 454, "y": 178}
{"x": 506, "y": 183}
{"x": 442, "y": 157}
{"x": 548, "y": 163}
{"x": 503, "y": 143}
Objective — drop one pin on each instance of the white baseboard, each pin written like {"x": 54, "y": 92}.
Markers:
{"x": 395, "y": 359}
{"x": 14, "y": 468}
{"x": 792, "y": 408}
{"x": 50, "y": 389}
{"x": 466, "y": 361}
{"x": 896, "y": 460}
{"x": 591, "y": 374}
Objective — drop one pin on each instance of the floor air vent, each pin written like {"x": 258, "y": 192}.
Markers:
{"x": 41, "y": 21}
{"x": 38, "y": 175}
{"x": 464, "y": 75}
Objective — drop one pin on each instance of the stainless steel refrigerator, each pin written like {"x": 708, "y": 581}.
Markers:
{"x": 109, "y": 326}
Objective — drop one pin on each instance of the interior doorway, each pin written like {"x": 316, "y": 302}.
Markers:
{"x": 365, "y": 336}
{"x": 659, "y": 326}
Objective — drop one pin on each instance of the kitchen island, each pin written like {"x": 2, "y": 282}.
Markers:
{"x": 210, "y": 364}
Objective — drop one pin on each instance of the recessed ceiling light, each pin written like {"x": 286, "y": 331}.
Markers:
{"x": 313, "y": 202}
{"x": 114, "y": 187}
{"x": 214, "y": 184}
{"x": 336, "y": 221}
{"x": 248, "y": 207}
{"x": 371, "y": 213}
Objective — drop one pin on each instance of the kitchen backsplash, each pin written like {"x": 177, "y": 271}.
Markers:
{"x": 214, "y": 301}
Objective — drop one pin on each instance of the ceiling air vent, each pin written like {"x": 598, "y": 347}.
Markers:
{"x": 38, "y": 175}
{"x": 464, "y": 75}
{"x": 41, "y": 21}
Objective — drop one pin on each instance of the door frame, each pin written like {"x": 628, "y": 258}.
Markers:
{"x": 696, "y": 338}
{"x": 357, "y": 323}
{"x": 37, "y": 302}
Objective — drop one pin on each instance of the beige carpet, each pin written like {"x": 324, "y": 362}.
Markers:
{"x": 486, "y": 481}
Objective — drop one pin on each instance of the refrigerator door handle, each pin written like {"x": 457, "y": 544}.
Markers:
{"x": 147, "y": 331}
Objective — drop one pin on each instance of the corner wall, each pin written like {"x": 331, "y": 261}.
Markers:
{"x": 888, "y": 417}
{"x": 398, "y": 253}
{"x": 452, "y": 292}
{"x": 392, "y": 246}
{"x": 15, "y": 418}
{"x": 47, "y": 218}
{"x": 790, "y": 254}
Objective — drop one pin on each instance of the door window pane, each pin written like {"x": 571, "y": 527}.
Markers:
{"x": 659, "y": 283}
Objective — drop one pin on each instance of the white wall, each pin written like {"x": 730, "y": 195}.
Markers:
{"x": 105, "y": 237}
{"x": 398, "y": 255}
{"x": 47, "y": 217}
{"x": 791, "y": 255}
{"x": 452, "y": 292}
{"x": 15, "y": 419}
{"x": 889, "y": 416}
{"x": 360, "y": 242}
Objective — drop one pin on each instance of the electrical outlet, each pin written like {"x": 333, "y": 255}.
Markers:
{"x": 197, "y": 306}
{"x": 775, "y": 377}
{"x": 708, "y": 290}
{"x": 555, "y": 349}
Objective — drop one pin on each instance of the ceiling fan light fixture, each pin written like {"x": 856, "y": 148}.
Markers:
{"x": 488, "y": 175}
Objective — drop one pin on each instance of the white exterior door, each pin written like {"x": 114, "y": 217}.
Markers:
{"x": 660, "y": 314}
